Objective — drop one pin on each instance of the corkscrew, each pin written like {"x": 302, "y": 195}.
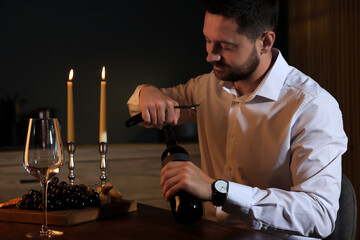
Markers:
{"x": 138, "y": 118}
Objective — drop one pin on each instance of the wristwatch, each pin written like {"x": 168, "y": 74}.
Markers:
{"x": 220, "y": 190}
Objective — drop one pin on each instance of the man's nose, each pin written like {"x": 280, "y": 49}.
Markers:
{"x": 213, "y": 57}
{"x": 213, "y": 53}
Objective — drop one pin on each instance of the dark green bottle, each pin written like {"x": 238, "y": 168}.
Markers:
{"x": 185, "y": 208}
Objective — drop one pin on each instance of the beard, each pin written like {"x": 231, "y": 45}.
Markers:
{"x": 237, "y": 73}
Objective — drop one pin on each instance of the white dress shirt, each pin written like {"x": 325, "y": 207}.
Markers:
{"x": 280, "y": 147}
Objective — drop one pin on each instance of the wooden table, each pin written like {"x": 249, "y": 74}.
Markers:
{"x": 146, "y": 223}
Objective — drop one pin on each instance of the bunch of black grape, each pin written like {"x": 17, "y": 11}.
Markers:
{"x": 61, "y": 196}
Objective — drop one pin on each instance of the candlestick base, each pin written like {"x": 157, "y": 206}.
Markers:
{"x": 71, "y": 151}
{"x": 103, "y": 150}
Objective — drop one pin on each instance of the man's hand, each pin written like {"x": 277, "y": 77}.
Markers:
{"x": 180, "y": 175}
{"x": 157, "y": 108}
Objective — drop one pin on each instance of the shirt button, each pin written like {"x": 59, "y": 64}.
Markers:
{"x": 231, "y": 135}
{"x": 229, "y": 168}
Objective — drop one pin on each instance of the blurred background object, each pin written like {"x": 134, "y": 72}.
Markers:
{"x": 153, "y": 42}
{"x": 12, "y": 122}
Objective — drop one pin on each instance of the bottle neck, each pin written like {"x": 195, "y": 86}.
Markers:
{"x": 169, "y": 135}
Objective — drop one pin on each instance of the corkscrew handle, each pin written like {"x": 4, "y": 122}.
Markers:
{"x": 138, "y": 118}
{"x": 134, "y": 120}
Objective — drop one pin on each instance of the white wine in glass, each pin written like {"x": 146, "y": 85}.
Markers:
{"x": 43, "y": 158}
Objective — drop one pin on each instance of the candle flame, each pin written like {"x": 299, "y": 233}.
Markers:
{"x": 103, "y": 73}
{"x": 71, "y": 75}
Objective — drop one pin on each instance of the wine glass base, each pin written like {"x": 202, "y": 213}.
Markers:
{"x": 48, "y": 233}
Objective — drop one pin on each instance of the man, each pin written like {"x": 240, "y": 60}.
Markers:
{"x": 271, "y": 133}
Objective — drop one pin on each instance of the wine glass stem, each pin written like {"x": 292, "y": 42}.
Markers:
{"x": 44, "y": 227}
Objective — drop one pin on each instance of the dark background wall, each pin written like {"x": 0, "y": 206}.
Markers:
{"x": 157, "y": 42}
{"x": 324, "y": 42}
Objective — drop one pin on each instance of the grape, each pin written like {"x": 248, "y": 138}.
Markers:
{"x": 21, "y": 204}
{"x": 33, "y": 192}
{"x": 50, "y": 187}
{"x": 81, "y": 204}
{"x": 95, "y": 194}
{"x": 91, "y": 202}
{"x": 29, "y": 203}
{"x": 70, "y": 201}
{"x": 25, "y": 197}
{"x": 66, "y": 191}
{"x": 61, "y": 196}
{"x": 63, "y": 183}
{"x": 55, "y": 180}
{"x": 37, "y": 199}
{"x": 51, "y": 196}
{"x": 61, "y": 205}
{"x": 83, "y": 187}
{"x": 51, "y": 207}
{"x": 77, "y": 194}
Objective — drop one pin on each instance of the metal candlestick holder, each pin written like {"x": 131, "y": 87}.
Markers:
{"x": 71, "y": 151}
{"x": 103, "y": 150}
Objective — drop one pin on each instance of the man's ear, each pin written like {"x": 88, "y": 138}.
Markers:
{"x": 267, "y": 41}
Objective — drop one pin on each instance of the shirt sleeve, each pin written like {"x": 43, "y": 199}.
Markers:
{"x": 310, "y": 207}
{"x": 133, "y": 102}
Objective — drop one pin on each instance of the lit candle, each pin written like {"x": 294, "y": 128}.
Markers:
{"x": 70, "y": 109}
{"x": 102, "y": 128}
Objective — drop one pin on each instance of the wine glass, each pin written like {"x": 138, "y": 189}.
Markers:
{"x": 43, "y": 158}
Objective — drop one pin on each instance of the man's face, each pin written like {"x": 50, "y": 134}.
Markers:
{"x": 233, "y": 56}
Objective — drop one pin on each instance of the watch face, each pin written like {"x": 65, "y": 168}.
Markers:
{"x": 221, "y": 186}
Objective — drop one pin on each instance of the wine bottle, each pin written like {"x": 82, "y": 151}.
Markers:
{"x": 185, "y": 208}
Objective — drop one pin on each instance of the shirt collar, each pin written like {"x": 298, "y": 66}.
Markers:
{"x": 271, "y": 86}
{"x": 272, "y": 83}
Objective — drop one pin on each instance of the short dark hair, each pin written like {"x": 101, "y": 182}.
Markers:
{"x": 253, "y": 17}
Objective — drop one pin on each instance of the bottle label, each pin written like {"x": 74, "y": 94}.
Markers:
{"x": 175, "y": 157}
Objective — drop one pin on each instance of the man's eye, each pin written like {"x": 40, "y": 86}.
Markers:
{"x": 227, "y": 47}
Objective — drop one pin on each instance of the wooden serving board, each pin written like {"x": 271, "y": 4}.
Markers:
{"x": 68, "y": 217}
